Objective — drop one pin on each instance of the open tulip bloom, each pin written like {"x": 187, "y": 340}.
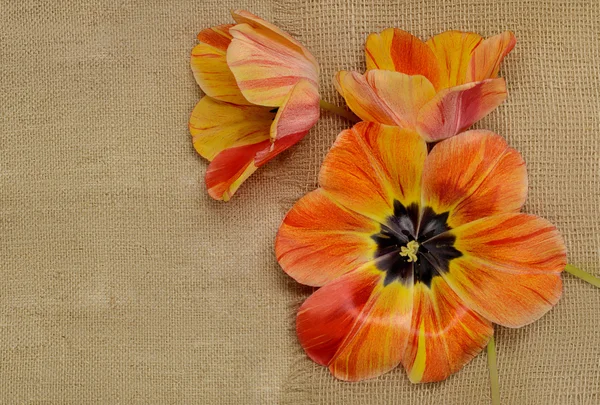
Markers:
{"x": 417, "y": 249}
{"x": 439, "y": 88}
{"x": 416, "y": 254}
{"x": 261, "y": 98}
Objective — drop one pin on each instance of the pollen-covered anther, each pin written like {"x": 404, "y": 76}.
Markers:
{"x": 410, "y": 250}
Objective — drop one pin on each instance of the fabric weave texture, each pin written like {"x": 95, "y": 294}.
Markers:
{"x": 124, "y": 282}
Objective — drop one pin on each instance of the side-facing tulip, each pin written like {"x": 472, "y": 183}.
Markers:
{"x": 262, "y": 97}
{"x": 438, "y": 88}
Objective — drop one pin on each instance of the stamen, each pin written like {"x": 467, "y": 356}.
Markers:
{"x": 410, "y": 251}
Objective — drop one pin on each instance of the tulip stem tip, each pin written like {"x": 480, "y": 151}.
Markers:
{"x": 494, "y": 385}
{"x": 584, "y": 275}
{"x": 341, "y": 111}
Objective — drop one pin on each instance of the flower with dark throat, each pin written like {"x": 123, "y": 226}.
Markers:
{"x": 416, "y": 254}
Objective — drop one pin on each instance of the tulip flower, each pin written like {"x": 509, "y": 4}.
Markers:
{"x": 262, "y": 97}
{"x": 416, "y": 254}
{"x": 438, "y": 88}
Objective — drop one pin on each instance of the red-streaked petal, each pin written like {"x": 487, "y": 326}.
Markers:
{"x": 370, "y": 165}
{"x": 445, "y": 333}
{"x": 453, "y": 50}
{"x": 230, "y": 168}
{"x": 216, "y": 126}
{"x": 455, "y": 109}
{"x": 386, "y": 97}
{"x": 209, "y": 65}
{"x": 510, "y": 268}
{"x": 397, "y": 50}
{"x": 474, "y": 175}
{"x": 487, "y": 57}
{"x": 296, "y": 116}
{"x": 319, "y": 240}
{"x": 355, "y": 325}
{"x": 266, "y": 65}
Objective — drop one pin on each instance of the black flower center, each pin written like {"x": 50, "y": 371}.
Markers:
{"x": 414, "y": 242}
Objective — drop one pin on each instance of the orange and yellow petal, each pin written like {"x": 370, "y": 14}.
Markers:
{"x": 445, "y": 334}
{"x": 362, "y": 99}
{"x": 397, "y": 50}
{"x": 230, "y": 168}
{"x": 487, "y": 57}
{"x": 453, "y": 51}
{"x": 371, "y": 165}
{"x": 455, "y": 109}
{"x": 510, "y": 269}
{"x": 319, "y": 240}
{"x": 267, "y": 65}
{"x": 386, "y": 97}
{"x": 474, "y": 175}
{"x": 209, "y": 65}
{"x": 356, "y": 325}
{"x": 216, "y": 126}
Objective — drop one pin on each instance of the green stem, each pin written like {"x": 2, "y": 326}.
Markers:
{"x": 584, "y": 275}
{"x": 342, "y": 112}
{"x": 495, "y": 387}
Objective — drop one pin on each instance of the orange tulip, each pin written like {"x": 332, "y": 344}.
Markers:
{"x": 416, "y": 254}
{"x": 261, "y": 98}
{"x": 437, "y": 88}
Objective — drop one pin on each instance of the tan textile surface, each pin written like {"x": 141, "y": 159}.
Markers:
{"x": 123, "y": 282}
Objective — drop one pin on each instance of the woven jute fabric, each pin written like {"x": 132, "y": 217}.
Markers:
{"x": 123, "y": 282}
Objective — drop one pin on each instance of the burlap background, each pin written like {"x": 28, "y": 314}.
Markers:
{"x": 123, "y": 282}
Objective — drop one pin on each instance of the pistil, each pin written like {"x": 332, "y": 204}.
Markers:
{"x": 410, "y": 251}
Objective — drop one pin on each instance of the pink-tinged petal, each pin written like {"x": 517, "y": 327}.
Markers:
{"x": 209, "y": 65}
{"x": 510, "y": 268}
{"x": 474, "y": 175}
{"x": 397, "y": 50}
{"x": 245, "y": 17}
{"x": 456, "y": 109}
{"x": 356, "y": 325}
{"x": 487, "y": 57}
{"x": 319, "y": 240}
{"x": 453, "y": 50}
{"x": 296, "y": 116}
{"x": 216, "y": 126}
{"x": 266, "y": 67}
{"x": 230, "y": 168}
{"x": 386, "y": 97}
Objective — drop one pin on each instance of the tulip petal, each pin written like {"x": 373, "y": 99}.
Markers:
{"x": 487, "y": 57}
{"x": 453, "y": 50}
{"x": 266, "y": 65}
{"x": 216, "y": 126}
{"x": 319, "y": 240}
{"x": 386, "y": 97}
{"x": 209, "y": 65}
{"x": 245, "y": 17}
{"x": 455, "y": 109}
{"x": 445, "y": 333}
{"x": 230, "y": 168}
{"x": 474, "y": 175}
{"x": 371, "y": 165}
{"x": 510, "y": 268}
{"x": 296, "y": 116}
{"x": 397, "y": 50}
{"x": 356, "y": 325}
